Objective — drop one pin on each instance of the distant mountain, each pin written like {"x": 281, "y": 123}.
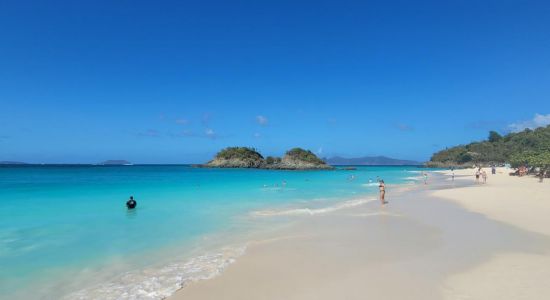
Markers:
{"x": 115, "y": 162}
{"x": 370, "y": 161}
{"x": 12, "y": 163}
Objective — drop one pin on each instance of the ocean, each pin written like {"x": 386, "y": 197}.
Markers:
{"x": 65, "y": 232}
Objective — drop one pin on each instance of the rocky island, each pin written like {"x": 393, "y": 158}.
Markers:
{"x": 244, "y": 157}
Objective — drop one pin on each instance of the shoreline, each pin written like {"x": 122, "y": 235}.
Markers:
{"x": 422, "y": 242}
{"x": 210, "y": 255}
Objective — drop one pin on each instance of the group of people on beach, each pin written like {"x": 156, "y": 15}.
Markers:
{"x": 481, "y": 173}
{"x": 522, "y": 171}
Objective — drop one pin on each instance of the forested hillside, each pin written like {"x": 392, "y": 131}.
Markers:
{"x": 527, "y": 147}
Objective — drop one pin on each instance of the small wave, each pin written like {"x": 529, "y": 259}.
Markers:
{"x": 163, "y": 282}
{"x": 370, "y": 184}
{"x": 312, "y": 211}
{"x": 413, "y": 178}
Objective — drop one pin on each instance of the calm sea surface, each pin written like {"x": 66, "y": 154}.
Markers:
{"x": 65, "y": 230}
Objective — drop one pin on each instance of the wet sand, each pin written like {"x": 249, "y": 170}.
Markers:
{"x": 425, "y": 244}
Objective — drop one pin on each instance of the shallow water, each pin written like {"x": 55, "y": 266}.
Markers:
{"x": 65, "y": 231}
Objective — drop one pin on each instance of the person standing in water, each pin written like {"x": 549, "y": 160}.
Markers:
{"x": 425, "y": 178}
{"x": 131, "y": 203}
{"x": 382, "y": 188}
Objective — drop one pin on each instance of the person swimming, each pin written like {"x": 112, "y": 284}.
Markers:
{"x": 131, "y": 203}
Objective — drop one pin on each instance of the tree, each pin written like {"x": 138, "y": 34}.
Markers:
{"x": 494, "y": 137}
{"x": 497, "y": 148}
{"x": 532, "y": 159}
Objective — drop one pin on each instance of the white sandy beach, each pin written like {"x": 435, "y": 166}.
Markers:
{"x": 485, "y": 242}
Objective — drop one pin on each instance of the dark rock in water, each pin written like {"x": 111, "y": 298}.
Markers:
{"x": 243, "y": 157}
{"x": 116, "y": 162}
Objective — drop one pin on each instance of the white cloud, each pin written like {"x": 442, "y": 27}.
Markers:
{"x": 262, "y": 120}
{"x": 537, "y": 121}
{"x": 210, "y": 133}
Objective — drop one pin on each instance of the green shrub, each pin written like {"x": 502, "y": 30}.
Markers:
{"x": 240, "y": 153}
{"x": 304, "y": 155}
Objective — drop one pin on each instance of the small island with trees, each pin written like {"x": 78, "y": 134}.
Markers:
{"x": 245, "y": 157}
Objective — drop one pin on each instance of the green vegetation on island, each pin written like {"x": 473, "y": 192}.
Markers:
{"x": 299, "y": 154}
{"x": 245, "y": 157}
{"x": 528, "y": 147}
{"x": 237, "y": 157}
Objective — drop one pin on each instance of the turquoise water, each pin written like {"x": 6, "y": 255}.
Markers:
{"x": 65, "y": 231}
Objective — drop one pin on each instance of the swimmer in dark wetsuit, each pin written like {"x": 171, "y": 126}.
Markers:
{"x": 131, "y": 204}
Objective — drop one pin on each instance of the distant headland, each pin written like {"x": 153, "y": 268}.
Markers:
{"x": 528, "y": 147}
{"x": 370, "y": 161}
{"x": 5, "y": 162}
{"x": 244, "y": 157}
{"x": 116, "y": 162}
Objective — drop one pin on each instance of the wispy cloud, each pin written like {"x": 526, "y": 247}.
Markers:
{"x": 537, "y": 121}
{"x": 150, "y": 133}
{"x": 257, "y": 135}
{"x": 210, "y": 133}
{"x": 320, "y": 151}
{"x": 182, "y": 121}
{"x": 262, "y": 120}
{"x": 184, "y": 133}
{"x": 404, "y": 127}
{"x": 205, "y": 121}
{"x": 486, "y": 125}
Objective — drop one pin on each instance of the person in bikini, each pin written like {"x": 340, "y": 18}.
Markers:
{"x": 382, "y": 188}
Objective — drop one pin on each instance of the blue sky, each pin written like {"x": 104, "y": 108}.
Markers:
{"x": 175, "y": 81}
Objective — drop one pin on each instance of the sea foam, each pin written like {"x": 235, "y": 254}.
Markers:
{"x": 159, "y": 283}
{"x": 312, "y": 211}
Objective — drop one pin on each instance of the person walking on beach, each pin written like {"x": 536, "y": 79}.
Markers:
{"x": 425, "y": 178}
{"x": 477, "y": 176}
{"x": 484, "y": 176}
{"x": 382, "y": 188}
{"x": 453, "y": 175}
